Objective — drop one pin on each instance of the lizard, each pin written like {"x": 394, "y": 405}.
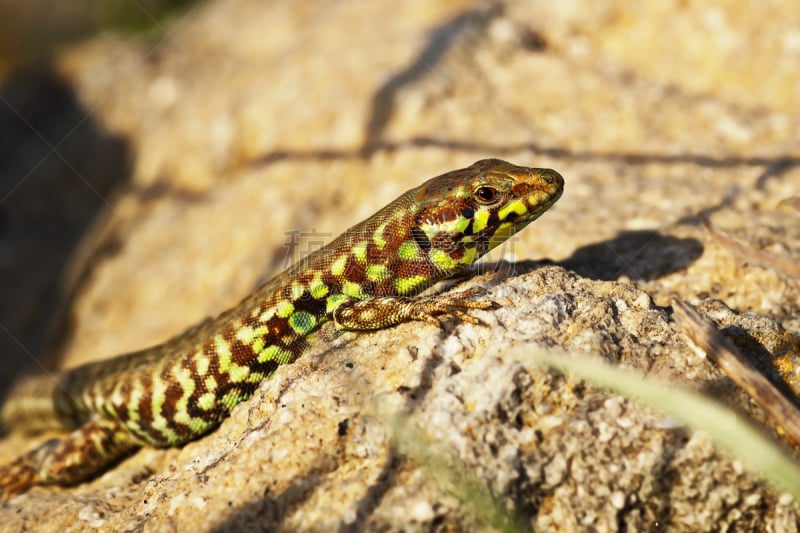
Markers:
{"x": 369, "y": 278}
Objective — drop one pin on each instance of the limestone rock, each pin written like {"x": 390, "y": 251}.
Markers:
{"x": 246, "y": 121}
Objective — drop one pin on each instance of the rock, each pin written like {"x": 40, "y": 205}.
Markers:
{"x": 248, "y": 121}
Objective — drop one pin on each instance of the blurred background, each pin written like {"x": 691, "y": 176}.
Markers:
{"x": 57, "y": 163}
{"x": 155, "y": 154}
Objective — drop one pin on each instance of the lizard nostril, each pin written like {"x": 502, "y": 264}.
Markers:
{"x": 552, "y": 178}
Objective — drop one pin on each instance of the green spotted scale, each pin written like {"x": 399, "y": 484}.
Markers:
{"x": 369, "y": 278}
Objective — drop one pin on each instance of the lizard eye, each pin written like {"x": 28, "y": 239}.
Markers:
{"x": 486, "y": 195}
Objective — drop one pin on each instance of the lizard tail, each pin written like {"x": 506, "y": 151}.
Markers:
{"x": 29, "y": 406}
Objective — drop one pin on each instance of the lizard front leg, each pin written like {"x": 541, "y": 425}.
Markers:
{"x": 379, "y": 313}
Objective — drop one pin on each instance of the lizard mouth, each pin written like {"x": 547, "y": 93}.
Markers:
{"x": 534, "y": 194}
{"x": 547, "y": 187}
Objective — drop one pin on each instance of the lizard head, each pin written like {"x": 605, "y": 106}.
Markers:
{"x": 465, "y": 213}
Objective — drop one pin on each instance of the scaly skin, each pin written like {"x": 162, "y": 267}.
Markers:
{"x": 366, "y": 279}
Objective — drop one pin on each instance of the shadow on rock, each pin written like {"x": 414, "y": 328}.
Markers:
{"x": 639, "y": 255}
{"x": 57, "y": 168}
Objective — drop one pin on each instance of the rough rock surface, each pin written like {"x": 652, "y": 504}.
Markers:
{"x": 246, "y": 121}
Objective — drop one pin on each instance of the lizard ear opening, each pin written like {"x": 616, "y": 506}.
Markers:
{"x": 421, "y": 239}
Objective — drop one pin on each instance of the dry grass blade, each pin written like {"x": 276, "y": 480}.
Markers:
{"x": 737, "y": 367}
{"x": 728, "y": 430}
{"x": 453, "y": 476}
{"x": 792, "y": 201}
{"x": 786, "y": 266}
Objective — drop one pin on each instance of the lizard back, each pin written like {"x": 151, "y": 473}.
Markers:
{"x": 366, "y": 279}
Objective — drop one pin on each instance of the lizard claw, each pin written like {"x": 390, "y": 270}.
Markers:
{"x": 453, "y": 305}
